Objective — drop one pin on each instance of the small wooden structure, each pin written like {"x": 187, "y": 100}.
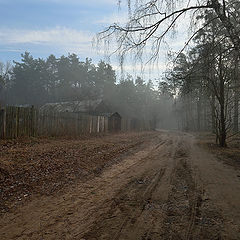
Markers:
{"x": 114, "y": 121}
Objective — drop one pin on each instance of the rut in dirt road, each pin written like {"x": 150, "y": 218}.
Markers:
{"x": 164, "y": 203}
{"x": 168, "y": 189}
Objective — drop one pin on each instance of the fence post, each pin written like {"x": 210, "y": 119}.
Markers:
{"x": 2, "y": 122}
{"x": 17, "y": 122}
{"x": 90, "y": 129}
{"x": 98, "y": 123}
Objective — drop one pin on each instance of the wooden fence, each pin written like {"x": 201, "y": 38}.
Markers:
{"x": 28, "y": 121}
{"x": 16, "y": 122}
{"x": 73, "y": 124}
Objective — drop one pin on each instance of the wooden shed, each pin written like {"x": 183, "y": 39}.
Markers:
{"x": 114, "y": 121}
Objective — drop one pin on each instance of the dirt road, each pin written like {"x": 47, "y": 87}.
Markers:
{"x": 169, "y": 188}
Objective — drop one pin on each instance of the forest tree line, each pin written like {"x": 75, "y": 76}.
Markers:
{"x": 206, "y": 78}
{"x": 38, "y": 81}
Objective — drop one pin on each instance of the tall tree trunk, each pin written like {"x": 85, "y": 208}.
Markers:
{"x": 235, "y": 117}
{"x": 214, "y": 127}
{"x": 222, "y": 126}
{"x": 236, "y": 98}
{"x": 223, "y": 134}
{"x": 199, "y": 110}
{"x": 199, "y": 115}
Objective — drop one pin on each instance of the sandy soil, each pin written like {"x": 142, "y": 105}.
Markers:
{"x": 165, "y": 187}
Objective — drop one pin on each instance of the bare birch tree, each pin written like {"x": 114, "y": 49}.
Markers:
{"x": 150, "y": 21}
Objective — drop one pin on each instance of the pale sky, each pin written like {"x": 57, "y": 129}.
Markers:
{"x": 59, "y": 27}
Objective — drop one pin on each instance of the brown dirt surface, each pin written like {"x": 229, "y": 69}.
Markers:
{"x": 146, "y": 186}
{"x": 229, "y": 155}
{"x": 44, "y": 166}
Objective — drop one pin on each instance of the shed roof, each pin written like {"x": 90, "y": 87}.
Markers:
{"x": 115, "y": 114}
{"x": 85, "y": 106}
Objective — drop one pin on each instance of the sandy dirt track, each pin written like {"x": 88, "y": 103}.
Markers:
{"x": 168, "y": 188}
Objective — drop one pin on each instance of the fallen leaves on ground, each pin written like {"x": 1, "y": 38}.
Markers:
{"x": 46, "y": 166}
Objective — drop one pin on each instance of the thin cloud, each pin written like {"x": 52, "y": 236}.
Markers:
{"x": 61, "y": 38}
{"x": 11, "y": 50}
{"x": 59, "y": 35}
